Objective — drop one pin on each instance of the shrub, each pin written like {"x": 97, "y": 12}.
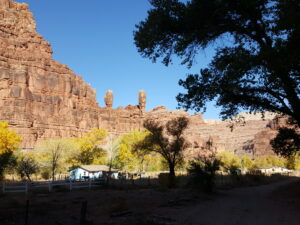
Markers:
{"x": 203, "y": 173}
{"x": 167, "y": 181}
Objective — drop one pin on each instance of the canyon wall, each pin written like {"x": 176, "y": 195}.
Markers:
{"x": 42, "y": 98}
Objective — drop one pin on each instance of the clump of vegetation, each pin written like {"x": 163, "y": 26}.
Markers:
{"x": 90, "y": 148}
{"x": 293, "y": 161}
{"x": 166, "y": 140}
{"x": 256, "y": 69}
{"x": 203, "y": 173}
{"x": 230, "y": 161}
{"x": 27, "y": 166}
{"x": 9, "y": 143}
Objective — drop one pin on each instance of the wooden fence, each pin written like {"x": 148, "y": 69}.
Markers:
{"x": 14, "y": 187}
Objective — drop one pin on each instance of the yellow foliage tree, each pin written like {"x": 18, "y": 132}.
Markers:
{"x": 90, "y": 151}
{"x": 9, "y": 142}
{"x": 269, "y": 161}
{"x": 293, "y": 162}
{"x": 228, "y": 160}
{"x": 129, "y": 159}
{"x": 9, "y": 139}
{"x": 274, "y": 160}
{"x": 111, "y": 149}
{"x": 126, "y": 159}
{"x": 246, "y": 162}
{"x": 54, "y": 155}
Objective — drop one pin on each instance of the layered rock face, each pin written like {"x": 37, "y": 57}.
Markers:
{"x": 41, "y": 98}
{"x": 250, "y": 137}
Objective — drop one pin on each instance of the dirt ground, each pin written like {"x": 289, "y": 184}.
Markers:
{"x": 274, "y": 204}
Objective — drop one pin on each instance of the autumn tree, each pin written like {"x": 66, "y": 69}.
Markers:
{"x": 90, "y": 150}
{"x": 166, "y": 140}
{"x": 229, "y": 161}
{"x": 54, "y": 155}
{"x": 246, "y": 162}
{"x": 129, "y": 158}
{"x": 293, "y": 161}
{"x": 111, "y": 149}
{"x": 9, "y": 142}
{"x": 257, "y": 66}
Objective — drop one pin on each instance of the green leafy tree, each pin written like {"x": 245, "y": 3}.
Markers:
{"x": 9, "y": 142}
{"x": 166, "y": 140}
{"x": 287, "y": 142}
{"x": 153, "y": 162}
{"x": 27, "y": 166}
{"x": 256, "y": 68}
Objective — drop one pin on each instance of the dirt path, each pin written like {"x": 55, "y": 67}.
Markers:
{"x": 242, "y": 206}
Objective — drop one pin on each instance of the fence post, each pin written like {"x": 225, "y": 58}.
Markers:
{"x": 3, "y": 187}
{"x": 83, "y": 213}
{"x": 49, "y": 186}
{"x": 26, "y": 187}
{"x": 26, "y": 212}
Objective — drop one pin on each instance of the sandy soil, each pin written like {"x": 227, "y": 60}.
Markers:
{"x": 274, "y": 204}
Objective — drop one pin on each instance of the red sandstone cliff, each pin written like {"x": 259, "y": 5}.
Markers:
{"x": 41, "y": 98}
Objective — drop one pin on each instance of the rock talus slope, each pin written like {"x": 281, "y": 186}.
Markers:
{"x": 42, "y": 98}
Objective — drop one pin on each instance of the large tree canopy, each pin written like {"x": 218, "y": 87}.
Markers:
{"x": 166, "y": 140}
{"x": 256, "y": 68}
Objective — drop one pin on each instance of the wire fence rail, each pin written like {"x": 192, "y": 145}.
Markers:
{"x": 25, "y": 187}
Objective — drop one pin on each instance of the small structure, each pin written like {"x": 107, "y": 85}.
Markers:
{"x": 273, "y": 170}
{"x": 92, "y": 172}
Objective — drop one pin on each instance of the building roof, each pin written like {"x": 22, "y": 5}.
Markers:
{"x": 96, "y": 168}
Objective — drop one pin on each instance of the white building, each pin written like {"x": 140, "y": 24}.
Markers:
{"x": 92, "y": 172}
{"x": 273, "y": 170}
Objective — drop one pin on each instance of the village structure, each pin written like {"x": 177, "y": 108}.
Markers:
{"x": 93, "y": 172}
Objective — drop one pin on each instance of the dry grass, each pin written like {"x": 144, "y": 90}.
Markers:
{"x": 104, "y": 206}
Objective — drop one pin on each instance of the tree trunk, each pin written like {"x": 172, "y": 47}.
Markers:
{"x": 171, "y": 175}
{"x": 172, "y": 169}
{"x": 53, "y": 174}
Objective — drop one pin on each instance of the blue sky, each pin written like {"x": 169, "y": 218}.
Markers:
{"x": 95, "y": 39}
